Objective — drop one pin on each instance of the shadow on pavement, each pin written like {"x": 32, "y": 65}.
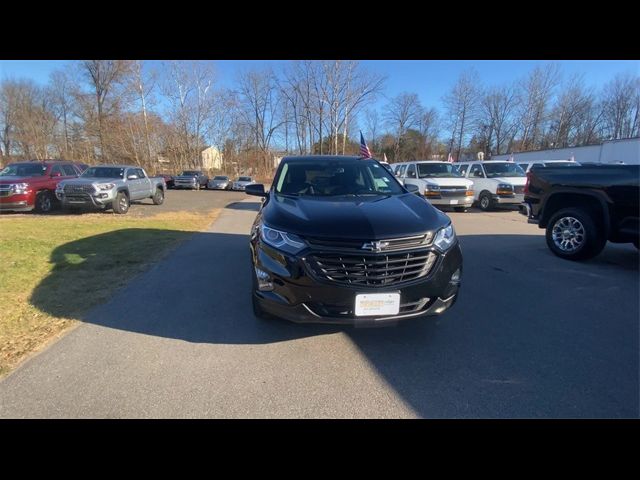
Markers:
{"x": 530, "y": 336}
{"x": 246, "y": 206}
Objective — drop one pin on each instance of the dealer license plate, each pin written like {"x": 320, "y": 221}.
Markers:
{"x": 373, "y": 304}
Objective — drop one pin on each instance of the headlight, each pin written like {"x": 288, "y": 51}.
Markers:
{"x": 19, "y": 187}
{"x": 430, "y": 186}
{"x": 284, "y": 241}
{"x": 105, "y": 186}
{"x": 445, "y": 238}
{"x": 504, "y": 189}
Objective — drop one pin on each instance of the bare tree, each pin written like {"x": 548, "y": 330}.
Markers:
{"x": 104, "y": 77}
{"x": 536, "y": 92}
{"x": 400, "y": 114}
{"x": 461, "y": 105}
{"x": 497, "y": 111}
{"x": 621, "y": 106}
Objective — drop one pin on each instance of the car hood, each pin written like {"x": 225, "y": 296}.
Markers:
{"x": 511, "y": 180}
{"x": 448, "y": 181}
{"x": 90, "y": 180}
{"x": 366, "y": 217}
{"x": 20, "y": 179}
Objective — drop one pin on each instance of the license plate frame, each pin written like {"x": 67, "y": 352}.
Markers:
{"x": 376, "y": 304}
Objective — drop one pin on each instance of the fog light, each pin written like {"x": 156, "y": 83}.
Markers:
{"x": 456, "y": 276}
{"x": 265, "y": 284}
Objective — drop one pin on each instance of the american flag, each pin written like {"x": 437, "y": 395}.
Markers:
{"x": 450, "y": 158}
{"x": 385, "y": 158}
{"x": 510, "y": 159}
{"x": 364, "y": 150}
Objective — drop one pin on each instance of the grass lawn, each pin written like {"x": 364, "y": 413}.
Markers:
{"x": 54, "y": 268}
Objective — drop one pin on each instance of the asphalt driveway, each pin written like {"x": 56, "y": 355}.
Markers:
{"x": 532, "y": 336}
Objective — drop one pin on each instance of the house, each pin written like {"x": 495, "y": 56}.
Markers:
{"x": 211, "y": 159}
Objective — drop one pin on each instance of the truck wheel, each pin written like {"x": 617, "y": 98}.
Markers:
{"x": 121, "y": 203}
{"x": 486, "y": 201}
{"x": 572, "y": 234}
{"x": 158, "y": 197}
{"x": 44, "y": 202}
{"x": 460, "y": 209}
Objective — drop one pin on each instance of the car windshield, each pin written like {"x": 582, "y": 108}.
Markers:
{"x": 427, "y": 170}
{"x": 190, "y": 173}
{"x": 24, "y": 170}
{"x": 503, "y": 170}
{"x": 221, "y": 178}
{"x": 336, "y": 178}
{"x": 104, "y": 172}
{"x": 244, "y": 179}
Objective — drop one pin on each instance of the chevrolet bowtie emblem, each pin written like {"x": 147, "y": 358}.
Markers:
{"x": 376, "y": 246}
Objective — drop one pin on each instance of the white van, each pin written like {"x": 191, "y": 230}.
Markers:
{"x": 495, "y": 182}
{"x": 439, "y": 182}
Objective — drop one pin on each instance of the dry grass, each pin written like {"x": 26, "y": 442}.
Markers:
{"x": 54, "y": 268}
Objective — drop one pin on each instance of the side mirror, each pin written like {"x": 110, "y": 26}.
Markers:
{"x": 478, "y": 174}
{"x": 132, "y": 177}
{"x": 412, "y": 188}
{"x": 256, "y": 189}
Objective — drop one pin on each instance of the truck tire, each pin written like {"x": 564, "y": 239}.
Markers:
{"x": 486, "y": 201}
{"x": 121, "y": 203}
{"x": 44, "y": 202}
{"x": 158, "y": 197}
{"x": 573, "y": 234}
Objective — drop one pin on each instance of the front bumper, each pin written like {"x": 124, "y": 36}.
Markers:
{"x": 515, "y": 199}
{"x": 96, "y": 200}
{"x": 21, "y": 202}
{"x": 184, "y": 184}
{"x": 238, "y": 187}
{"x": 300, "y": 297}
{"x": 461, "y": 201}
{"x": 221, "y": 186}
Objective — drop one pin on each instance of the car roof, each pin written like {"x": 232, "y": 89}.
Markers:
{"x": 324, "y": 158}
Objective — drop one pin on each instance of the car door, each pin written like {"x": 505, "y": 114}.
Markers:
{"x": 478, "y": 177}
{"x": 133, "y": 184}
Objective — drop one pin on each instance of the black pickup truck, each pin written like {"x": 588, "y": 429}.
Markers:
{"x": 584, "y": 206}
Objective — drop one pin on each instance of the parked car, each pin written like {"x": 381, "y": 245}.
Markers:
{"x": 26, "y": 186}
{"x": 241, "y": 183}
{"x": 339, "y": 239}
{"x": 110, "y": 186}
{"x": 191, "y": 179}
{"x": 583, "y": 207}
{"x": 526, "y": 166}
{"x": 220, "y": 182}
{"x": 440, "y": 183}
{"x": 495, "y": 182}
{"x": 168, "y": 180}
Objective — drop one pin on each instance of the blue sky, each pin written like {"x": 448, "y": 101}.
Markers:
{"x": 430, "y": 79}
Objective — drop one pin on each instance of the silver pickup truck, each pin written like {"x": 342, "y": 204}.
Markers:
{"x": 110, "y": 186}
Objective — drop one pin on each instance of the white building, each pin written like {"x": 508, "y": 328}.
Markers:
{"x": 611, "y": 151}
{"x": 211, "y": 159}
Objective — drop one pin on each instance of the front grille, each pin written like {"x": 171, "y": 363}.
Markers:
{"x": 71, "y": 189}
{"x": 77, "y": 198}
{"x": 4, "y": 193}
{"x": 374, "y": 270}
{"x": 388, "y": 245}
{"x": 328, "y": 310}
{"x": 518, "y": 189}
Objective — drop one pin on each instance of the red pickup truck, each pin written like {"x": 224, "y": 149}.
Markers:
{"x": 26, "y": 186}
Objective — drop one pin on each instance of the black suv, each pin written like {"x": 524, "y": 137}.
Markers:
{"x": 339, "y": 240}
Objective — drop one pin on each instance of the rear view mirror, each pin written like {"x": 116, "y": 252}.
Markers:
{"x": 412, "y": 188}
{"x": 256, "y": 189}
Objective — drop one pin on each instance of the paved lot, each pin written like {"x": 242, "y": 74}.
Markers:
{"x": 531, "y": 336}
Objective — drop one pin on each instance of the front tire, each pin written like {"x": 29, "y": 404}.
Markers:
{"x": 573, "y": 234}
{"x": 44, "y": 202}
{"x": 121, "y": 203}
{"x": 486, "y": 202}
{"x": 158, "y": 197}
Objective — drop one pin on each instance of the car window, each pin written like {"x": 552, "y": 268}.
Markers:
{"x": 525, "y": 165}
{"x": 402, "y": 169}
{"x": 140, "y": 173}
{"x": 411, "y": 171}
{"x": 476, "y": 168}
{"x": 69, "y": 171}
{"x": 56, "y": 170}
{"x": 463, "y": 169}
